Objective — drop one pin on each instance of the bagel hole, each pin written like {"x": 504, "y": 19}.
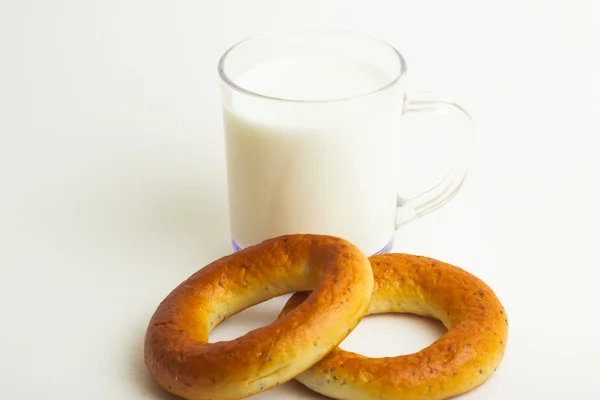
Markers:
{"x": 248, "y": 320}
{"x": 393, "y": 334}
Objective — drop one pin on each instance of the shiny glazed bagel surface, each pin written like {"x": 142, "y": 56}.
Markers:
{"x": 181, "y": 360}
{"x": 462, "y": 359}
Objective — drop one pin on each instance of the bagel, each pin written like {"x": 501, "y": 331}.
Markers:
{"x": 181, "y": 360}
{"x": 459, "y": 361}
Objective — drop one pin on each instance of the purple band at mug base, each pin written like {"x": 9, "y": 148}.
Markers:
{"x": 235, "y": 245}
{"x": 386, "y": 249}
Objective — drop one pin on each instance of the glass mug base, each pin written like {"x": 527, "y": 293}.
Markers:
{"x": 386, "y": 249}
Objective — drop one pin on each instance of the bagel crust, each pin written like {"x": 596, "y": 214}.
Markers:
{"x": 462, "y": 359}
{"x": 181, "y": 360}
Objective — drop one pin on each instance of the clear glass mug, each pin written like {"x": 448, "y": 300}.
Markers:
{"x": 310, "y": 123}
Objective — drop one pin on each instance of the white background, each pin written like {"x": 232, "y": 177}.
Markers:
{"x": 113, "y": 184}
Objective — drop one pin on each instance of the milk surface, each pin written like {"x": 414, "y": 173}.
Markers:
{"x": 312, "y": 167}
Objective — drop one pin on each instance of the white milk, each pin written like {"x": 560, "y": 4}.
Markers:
{"x": 324, "y": 167}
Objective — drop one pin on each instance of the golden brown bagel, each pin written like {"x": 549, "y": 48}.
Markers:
{"x": 460, "y": 360}
{"x": 181, "y": 360}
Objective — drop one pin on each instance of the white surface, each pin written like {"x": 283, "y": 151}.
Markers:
{"x": 113, "y": 184}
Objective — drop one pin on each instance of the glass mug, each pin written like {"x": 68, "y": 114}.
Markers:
{"x": 310, "y": 120}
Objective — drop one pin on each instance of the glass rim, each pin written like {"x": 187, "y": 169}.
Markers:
{"x": 234, "y": 86}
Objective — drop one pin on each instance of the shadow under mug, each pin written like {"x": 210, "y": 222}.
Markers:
{"x": 310, "y": 125}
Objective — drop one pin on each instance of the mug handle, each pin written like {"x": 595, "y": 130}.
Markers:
{"x": 434, "y": 198}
